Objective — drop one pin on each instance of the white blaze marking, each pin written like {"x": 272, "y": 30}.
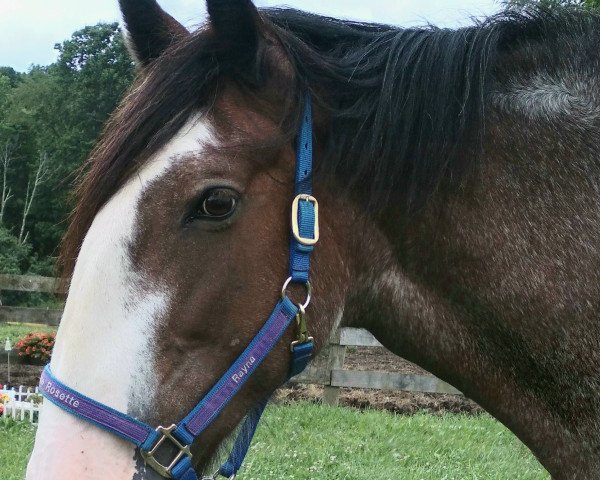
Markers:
{"x": 105, "y": 343}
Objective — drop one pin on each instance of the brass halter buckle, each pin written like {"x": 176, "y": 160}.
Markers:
{"x": 164, "y": 470}
{"x": 296, "y": 229}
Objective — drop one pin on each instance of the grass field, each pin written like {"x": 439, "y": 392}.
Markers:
{"x": 306, "y": 442}
{"x": 15, "y": 331}
{"x": 16, "y": 442}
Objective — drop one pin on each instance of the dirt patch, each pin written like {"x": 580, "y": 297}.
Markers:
{"x": 405, "y": 403}
{"x": 380, "y": 359}
{"x": 26, "y": 375}
{"x": 360, "y": 358}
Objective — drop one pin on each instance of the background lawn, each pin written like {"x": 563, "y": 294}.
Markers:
{"x": 306, "y": 441}
{"x": 15, "y": 331}
{"x": 16, "y": 442}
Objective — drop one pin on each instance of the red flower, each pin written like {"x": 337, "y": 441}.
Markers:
{"x": 36, "y": 345}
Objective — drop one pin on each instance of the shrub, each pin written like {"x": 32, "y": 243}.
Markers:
{"x": 36, "y": 346}
{"x": 13, "y": 254}
{"x": 35, "y": 398}
{"x": 4, "y": 398}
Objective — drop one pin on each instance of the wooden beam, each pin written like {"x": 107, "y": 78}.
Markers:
{"x": 335, "y": 361}
{"x": 31, "y": 283}
{"x": 30, "y": 315}
{"x": 391, "y": 381}
{"x": 316, "y": 375}
{"x": 357, "y": 337}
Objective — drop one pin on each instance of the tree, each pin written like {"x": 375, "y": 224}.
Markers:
{"x": 5, "y": 194}
{"x": 41, "y": 175}
{"x": 552, "y": 3}
{"x": 13, "y": 76}
{"x": 95, "y": 70}
{"x": 14, "y": 255}
{"x": 49, "y": 120}
{"x": 56, "y": 112}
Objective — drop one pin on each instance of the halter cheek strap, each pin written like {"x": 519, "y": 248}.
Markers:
{"x": 305, "y": 234}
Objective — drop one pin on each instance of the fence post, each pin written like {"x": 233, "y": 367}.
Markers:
{"x": 337, "y": 354}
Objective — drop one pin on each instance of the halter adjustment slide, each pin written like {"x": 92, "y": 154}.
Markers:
{"x": 150, "y": 459}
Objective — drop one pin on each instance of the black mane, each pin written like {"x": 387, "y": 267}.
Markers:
{"x": 406, "y": 104}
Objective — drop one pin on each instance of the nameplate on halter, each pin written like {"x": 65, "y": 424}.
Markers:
{"x": 53, "y": 391}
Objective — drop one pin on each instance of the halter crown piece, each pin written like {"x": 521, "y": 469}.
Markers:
{"x": 305, "y": 234}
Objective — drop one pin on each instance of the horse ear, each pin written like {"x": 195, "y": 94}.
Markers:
{"x": 236, "y": 24}
{"x": 150, "y": 29}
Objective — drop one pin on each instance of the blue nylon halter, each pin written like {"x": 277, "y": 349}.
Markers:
{"x": 305, "y": 233}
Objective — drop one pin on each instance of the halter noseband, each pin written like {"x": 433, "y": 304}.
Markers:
{"x": 305, "y": 234}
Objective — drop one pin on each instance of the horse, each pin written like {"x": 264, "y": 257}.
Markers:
{"x": 458, "y": 180}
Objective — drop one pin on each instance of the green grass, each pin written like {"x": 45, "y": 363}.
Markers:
{"x": 15, "y": 331}
{"x": 16, "y": 442}
{"x": 306, "y": 442}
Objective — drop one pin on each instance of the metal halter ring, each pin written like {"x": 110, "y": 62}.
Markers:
{"x": 308, "y": 292}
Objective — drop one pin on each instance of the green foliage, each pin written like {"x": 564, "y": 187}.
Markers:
{"x": 92, "y": 73}
{"x": 16, "y": 331}
{"x": 14, "y": 256}
{"x": 57, "y": 111}
{"x": 552, "y": 3}
{"x": 16, "y": 443}
{"x": 13, "y": 76}
{"x": 17, "y": 258}
{"x": 306, "y": 441}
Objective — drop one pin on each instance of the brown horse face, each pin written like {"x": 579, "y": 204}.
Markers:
{"x": 178, "y": 271}
{"x": 220, "y": 244}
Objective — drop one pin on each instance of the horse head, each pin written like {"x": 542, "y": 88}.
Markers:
{"x": 179, "y": 243}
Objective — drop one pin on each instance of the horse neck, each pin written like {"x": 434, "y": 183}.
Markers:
{"x": 426, "y": 292}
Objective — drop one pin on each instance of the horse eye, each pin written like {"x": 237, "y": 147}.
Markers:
{"x": 218, "y": 204}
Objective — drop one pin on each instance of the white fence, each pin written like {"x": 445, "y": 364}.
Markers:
{"x": 21, "y": 404}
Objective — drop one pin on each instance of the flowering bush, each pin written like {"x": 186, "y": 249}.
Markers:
{"x": 4, "y": 398}
{"x": 36, "y": 346}
{"x": 35, "y": 398}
